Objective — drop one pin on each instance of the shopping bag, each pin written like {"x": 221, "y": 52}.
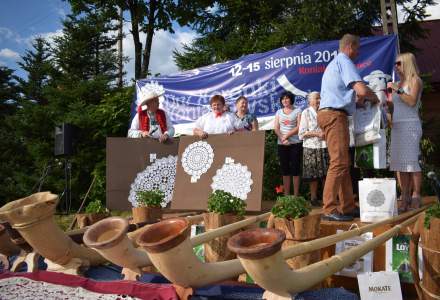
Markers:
{"x": 367, "y": 121}
{"x": 363, "y": 264}
{"x": 377, "y": 199}
{"x": 379, "y": 286}
{"x": 199, "y": 250}
{"x": 372, "y": 156}
{"x": 397, "y": 257}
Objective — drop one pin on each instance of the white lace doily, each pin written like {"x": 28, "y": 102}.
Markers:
{"x": 234, "y": 178}
{"x": 21, "y": 288}
{"x": 197, "y": 159}
{"x": 160, "y": 175}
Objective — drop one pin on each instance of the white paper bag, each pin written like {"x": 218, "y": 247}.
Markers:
{"x": 363, "y": 264}
{"x": 379, "y": 286}
{"x": 377, "y": 199}
{"x": 367, "y": 124}
{"x": 372, "y": 156}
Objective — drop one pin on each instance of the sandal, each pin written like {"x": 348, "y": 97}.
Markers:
{"x": 415, "y": 203}
{"x": 404, "y": 205}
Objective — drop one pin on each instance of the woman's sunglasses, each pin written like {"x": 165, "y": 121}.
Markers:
{"x": 398, "y": 63}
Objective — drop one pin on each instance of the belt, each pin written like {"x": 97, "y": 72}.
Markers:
{"x": 334, "y": 109}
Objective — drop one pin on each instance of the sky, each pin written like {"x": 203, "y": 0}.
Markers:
{"x": 21, "y": 21}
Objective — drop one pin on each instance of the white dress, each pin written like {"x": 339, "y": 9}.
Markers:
{"x": 405, "y": 135}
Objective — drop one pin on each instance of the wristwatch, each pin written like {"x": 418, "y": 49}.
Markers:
{"x": 400, "y": 91}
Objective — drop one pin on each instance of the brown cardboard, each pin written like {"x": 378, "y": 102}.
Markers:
{"x": 126, "y": 157}
{"x": 246, "y": 148}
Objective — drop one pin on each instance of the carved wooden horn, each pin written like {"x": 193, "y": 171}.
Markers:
{"x": 259, "y": 251}
{"x": 32, "y": 217}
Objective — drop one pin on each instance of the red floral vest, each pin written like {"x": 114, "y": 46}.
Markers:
{"x": 144, "y": 120}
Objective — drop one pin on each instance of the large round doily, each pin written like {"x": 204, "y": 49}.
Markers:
{"x": 160, "y": 175}
{"x": 197, "y": 159}
{"x": 234, "y": 178}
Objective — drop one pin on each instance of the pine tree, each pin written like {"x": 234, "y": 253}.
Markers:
{"x": 38, "y": 65}
{"x": 230, "y": 29}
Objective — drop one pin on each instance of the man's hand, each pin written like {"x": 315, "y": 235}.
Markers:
{"x": 163, "y": 138}
{"x": 144, "y": 134}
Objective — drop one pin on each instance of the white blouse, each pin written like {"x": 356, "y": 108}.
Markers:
{"x": 211, "y": 124}
{"x": 309, "y": 123}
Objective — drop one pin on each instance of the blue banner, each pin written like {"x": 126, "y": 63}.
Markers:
{"x": 263, "y": 77}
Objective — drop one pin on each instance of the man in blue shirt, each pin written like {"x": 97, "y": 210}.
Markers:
{"x": 341, "y": 89}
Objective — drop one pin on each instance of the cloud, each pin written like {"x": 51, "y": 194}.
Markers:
{"x": 6, "y": 34}
{"x": 9, "y": 54}
{"x": 434, "y": 11}
{"x": 164, "y": 43}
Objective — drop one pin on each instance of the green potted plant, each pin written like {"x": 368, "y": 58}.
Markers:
{"x": 94, "y": 212}
{"x": 426, "y": 231}
{"x": 149, "y": 206}
{"x": 223, "y": 209}
{"x": 292, "y": 214}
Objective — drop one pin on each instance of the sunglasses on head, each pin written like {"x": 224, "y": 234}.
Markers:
{"x": 398, "y": 63}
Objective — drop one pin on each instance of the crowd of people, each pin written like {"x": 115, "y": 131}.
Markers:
{"x": 314, "y": 144}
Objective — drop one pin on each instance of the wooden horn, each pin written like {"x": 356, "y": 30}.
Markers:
{"x": 259, "y": 251}
{"x": 171, "y": 252}
{"x": 109, "y": 238}
{"x": 32, "y": 217}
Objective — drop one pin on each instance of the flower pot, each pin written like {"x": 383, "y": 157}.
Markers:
{"x": 429, "y": 287}
{"x": 146, "y": 214}
{"x": 217, "y": 250}
{"x": 298, "y": 231}
{"x": 87, "y": 219}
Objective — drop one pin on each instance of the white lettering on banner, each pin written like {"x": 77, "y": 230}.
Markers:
{"x": 324, "y": 56}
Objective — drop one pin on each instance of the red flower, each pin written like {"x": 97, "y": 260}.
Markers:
{"x": 279, "y": 189}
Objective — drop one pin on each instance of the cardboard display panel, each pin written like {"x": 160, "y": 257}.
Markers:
{"x": 125, "y": 158}
{"x": 244, "y": 148}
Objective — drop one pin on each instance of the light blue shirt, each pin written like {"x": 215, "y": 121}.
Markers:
{"x": 336, "y": 86}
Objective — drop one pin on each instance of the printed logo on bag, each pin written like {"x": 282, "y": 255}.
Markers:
{"x": 376, "y": 198}
{"x": 379, "y": 289}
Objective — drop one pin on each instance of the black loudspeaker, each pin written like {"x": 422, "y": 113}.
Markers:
{"x": 64, "y": 139}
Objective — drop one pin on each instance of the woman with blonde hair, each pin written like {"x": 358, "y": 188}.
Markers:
{"x": 407, "y": 130}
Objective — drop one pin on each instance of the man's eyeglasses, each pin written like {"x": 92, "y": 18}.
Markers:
{"x": 398, "y": 63}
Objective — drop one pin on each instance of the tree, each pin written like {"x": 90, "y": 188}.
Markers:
{"x": 38, "y": 65}
{"x": 145, "y": 16}
{"x": 230, "y": 29}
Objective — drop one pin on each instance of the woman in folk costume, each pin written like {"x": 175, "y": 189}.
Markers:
{"x": 217, "y": 121}
{"x": 150, "y": 120}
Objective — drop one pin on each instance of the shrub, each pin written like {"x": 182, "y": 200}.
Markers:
{"x": 432, "y": 212}
{"x": 95, "y": 207}
{"x": 223, "y": 202}
{"x": 152, "y": 198}
{"x": 291, "y": 207}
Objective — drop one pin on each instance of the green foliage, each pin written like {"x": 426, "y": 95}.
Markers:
{"x": 153, "y": 198}
{"x": 229, "y": 29}
{"x": 291, "y": 207}
{"x": 432, "y": 212}
{"x": 272, "y": 175}
{"x": 222, "y": 202}
{"x": 95, "y": 207}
